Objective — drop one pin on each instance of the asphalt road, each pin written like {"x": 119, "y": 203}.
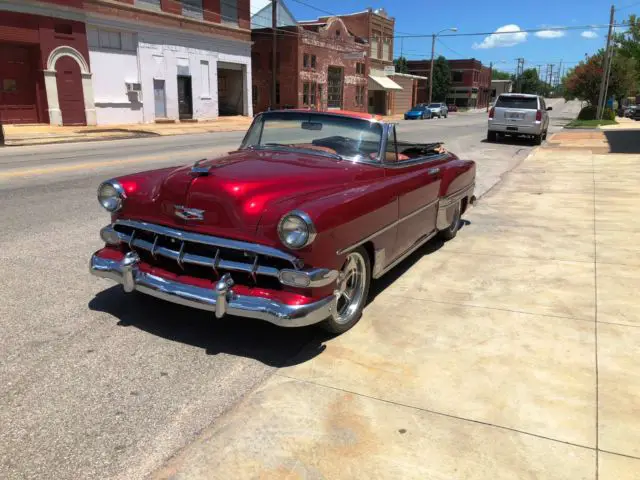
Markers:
{"x": 98, "y": 384}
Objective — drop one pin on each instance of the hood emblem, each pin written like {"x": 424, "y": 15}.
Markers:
{"x": 189, "y": 213}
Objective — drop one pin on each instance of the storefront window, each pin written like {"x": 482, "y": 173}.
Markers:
{"x": 9, "y": 85}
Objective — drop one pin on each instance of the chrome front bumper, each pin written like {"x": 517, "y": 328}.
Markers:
{"x": 222, "y": 300}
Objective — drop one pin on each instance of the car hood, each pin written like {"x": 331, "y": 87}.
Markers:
{"x": 234, "y": 190}
{"x": 414, "y": 113}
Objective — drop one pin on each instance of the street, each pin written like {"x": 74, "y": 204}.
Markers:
{"x": 98, "y": 384}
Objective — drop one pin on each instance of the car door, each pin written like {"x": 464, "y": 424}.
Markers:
{"x": 416, "y": 182}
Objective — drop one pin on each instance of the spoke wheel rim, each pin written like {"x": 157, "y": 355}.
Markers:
{"x": 350, "y": 289}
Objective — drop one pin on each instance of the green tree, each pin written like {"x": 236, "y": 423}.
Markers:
{"x": 584, "y": 80}
{"x": 529, "y": 82}
{"x": 401, "y": 65}
{"x": 629, "y": 48}
{"x": 441, "y": 79}
{"x": 499, "y": 75}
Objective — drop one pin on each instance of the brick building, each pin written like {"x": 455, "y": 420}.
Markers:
{"x": 470, "y": 82}
{"x": 77, "y": 62}
{"x": 320, "y": 65}
{"x": 377, "y": 29}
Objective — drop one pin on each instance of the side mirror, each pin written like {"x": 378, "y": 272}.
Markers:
{"x": 549, "y": 108}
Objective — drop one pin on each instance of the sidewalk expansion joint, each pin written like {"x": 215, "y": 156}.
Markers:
{"x": 434, "y": 412}
{"x": 595, "y": 293}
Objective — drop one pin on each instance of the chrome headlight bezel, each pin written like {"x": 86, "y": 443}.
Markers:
{"x": 118, "y": 195}
{"x": 300, "y": 218}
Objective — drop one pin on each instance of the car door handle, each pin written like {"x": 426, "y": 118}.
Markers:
{"x": 433, "y": 171}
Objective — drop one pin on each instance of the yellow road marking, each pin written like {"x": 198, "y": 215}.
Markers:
{"x": 25, "y": 172}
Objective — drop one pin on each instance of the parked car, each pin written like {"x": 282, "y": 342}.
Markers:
{"x": 452, "y": 107}
{"x": 519, "y": 114}
{"x": 419, "y": 112}
{"x": 635, "y": 114}
{"x": 292, "y": 227}
{"x": 630, "y": 111}
{"x": 439, "y": 110}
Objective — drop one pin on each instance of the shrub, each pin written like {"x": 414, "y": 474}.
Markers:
{"x": 608, "y": 114}
{"x": 587, "y": 113}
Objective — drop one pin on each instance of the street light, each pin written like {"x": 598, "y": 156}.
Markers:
{"x": 433, "y": 51}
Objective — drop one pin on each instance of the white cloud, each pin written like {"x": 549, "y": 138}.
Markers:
{"x": 505, "y": 36}
{"x": 589, "y": 34}
{"x": 550, "y": 33}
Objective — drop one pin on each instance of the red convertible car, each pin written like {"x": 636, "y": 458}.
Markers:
{"x": 292, "y": 227}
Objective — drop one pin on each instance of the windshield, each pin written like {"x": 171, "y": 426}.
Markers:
{"x": 328, "y": 135}
{"x": 418, "y": 108}
{"x": 527, "y": 103}
{"x": 434, "y": 105}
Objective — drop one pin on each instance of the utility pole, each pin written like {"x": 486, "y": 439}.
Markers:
{"x": 608, "y": 76}
{"x": 551, "y": 75}
{"x": 490, "y": 77}
{"x": 519, "y": 73}
{"x": 559, "y": 74}
{"x": 433, "y": 52}
{"x": 605, "y": 67}
{"x": 274, "y": 58}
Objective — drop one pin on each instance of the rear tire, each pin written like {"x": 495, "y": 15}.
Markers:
{"x": 537, "y": 139}
{"x": 492, "y": 136}
{"x": 452, "y": 230}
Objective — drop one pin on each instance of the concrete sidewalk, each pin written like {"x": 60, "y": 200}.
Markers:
{"x": 18, "y": 135}
{"x": 510, "y": 352}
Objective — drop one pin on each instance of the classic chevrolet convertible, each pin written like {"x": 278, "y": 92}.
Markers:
{"x": 292, "y": 227}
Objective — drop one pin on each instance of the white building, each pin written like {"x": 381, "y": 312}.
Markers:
{"x": 145, "y": 73}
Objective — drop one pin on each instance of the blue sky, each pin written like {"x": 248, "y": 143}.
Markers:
{"x": 427, "y": 16}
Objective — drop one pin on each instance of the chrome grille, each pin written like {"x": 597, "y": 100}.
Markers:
{"x": 217, "y": 255}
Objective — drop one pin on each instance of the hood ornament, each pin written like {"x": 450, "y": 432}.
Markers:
{"x": 189, "y": 213}
{"x": 198, "y": 170}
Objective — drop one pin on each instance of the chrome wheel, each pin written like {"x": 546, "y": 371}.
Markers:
{"x": 351, "y": 287}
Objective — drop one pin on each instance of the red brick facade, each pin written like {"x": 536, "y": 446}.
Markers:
{"x": 470, "y": 82}
{"x": 312, "y": 59}
{"x": 26, "y": 43}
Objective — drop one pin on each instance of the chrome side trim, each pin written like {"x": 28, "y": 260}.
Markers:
{"x": 412, "y": 249}
{"x": 384, "y": 229}
{"x": 220, "y": 300}
{"x": 209, "y": 240}
{"x": 457, "y": 195}
{"x": 446, "y": 209}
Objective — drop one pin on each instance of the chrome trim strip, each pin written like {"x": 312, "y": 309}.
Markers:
{"x": 416, "y": 161}
{"x": 209, "y": 240}
{"x": 412, "y": 249}
{"x": 457, "y": 195}
{"x": 249, "y": 306}
{"x": 384, "y": 229}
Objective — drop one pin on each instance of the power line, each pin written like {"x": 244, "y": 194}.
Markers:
{"x": 527, "y": 30}
{"x": 449, "y": 48}
{"x": 628, "y": 6}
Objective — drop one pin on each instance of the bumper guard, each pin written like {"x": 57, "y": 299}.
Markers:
{"x": 222, "y": 300}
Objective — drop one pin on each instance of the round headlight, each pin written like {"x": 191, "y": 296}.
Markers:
{"x": 296, "y": 230}
{"x": 111, "y": 195}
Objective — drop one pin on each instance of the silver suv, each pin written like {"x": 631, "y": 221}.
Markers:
{"x": 519, "y": 114}
{"x": 438, "y": 110}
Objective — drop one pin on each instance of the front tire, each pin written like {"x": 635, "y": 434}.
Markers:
{"x": 452, "y": 230}
{"x": 352, "y": 291}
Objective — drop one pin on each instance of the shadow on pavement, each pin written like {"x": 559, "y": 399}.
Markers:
{"x": 623, "y": 141}
{"x": 271, "y": 345}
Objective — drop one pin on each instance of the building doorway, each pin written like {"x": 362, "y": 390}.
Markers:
{"x": 70, "y": 96}
{"x": 230, "y": 89}
{"x": 185, "y": 98}
{"x": 334, "y": 87}
{"x": 18, "y": 71}
{"x": 159, "y": 98}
